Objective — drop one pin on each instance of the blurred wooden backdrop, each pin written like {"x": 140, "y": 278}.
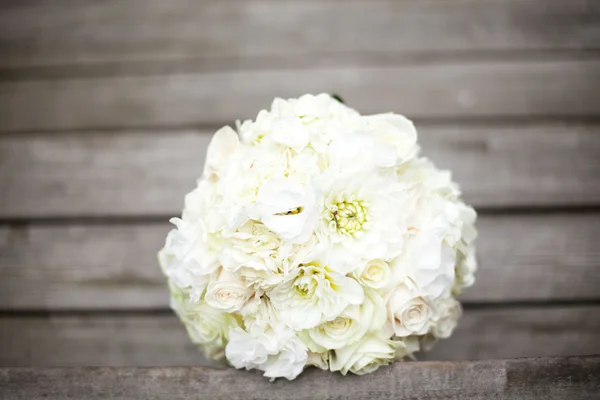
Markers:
{"x": 106, "y": 108}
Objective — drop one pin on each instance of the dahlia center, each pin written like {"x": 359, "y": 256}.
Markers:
{"x": 348, "y": 216}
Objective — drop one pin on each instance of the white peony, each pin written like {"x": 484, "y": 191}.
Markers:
{"x": 317, "y": 236}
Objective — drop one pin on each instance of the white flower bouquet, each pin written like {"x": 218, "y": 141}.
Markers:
{"x": 317, "y": 236}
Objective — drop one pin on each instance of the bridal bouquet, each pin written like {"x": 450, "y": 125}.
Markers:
{"x": 319, "y": 237}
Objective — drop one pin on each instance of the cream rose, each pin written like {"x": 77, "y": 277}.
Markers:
{"x": 375, "y": 274}
{"x": 228, "y": 293}
{"x": 409, "y": 313}
{"x": 364, "y": 356}
{"x": 351, "y": 325}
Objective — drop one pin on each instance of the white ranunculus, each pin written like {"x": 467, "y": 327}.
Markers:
{"x": 448, "y": 314}
{"x": 364, "y": 356}
{"x": 351, "y": 325}
{"x": 314, "y": 294}
{"x": 228, "y": 292}
{"x": 409, "y": 312}
{"x": 375, "y": 274}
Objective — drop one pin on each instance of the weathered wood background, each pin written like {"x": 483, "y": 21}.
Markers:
{"x": 106, "y": 108}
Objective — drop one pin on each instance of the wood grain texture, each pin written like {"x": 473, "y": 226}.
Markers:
{"x": 459, "y": 90}
{"x": 99, "y": 266}
{"x": 148, "y": 173}
{"x": 571, "y": 378}
{"x": 34, "y": 33}
{"x": 130, "y": 339}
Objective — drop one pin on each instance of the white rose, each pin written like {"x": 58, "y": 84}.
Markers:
{"x": 409, "y": 313}
{"x": 375, "y": 274}
{"x": 228, "y": 293}
{"x": 351, "y": 325}
{"x": 364, "y": 356}
{"x": 449, "y": 312}
{"x": 314, "y": 294}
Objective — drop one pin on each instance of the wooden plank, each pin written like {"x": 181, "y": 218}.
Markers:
{"x": 523, "y": 379}
{"x": 34, "y": 33}
{"x": 113, "y": 266}
{"x": 144, "y": 173}
{"x": 160, "y": 340}
{"x": 456, "y": 90}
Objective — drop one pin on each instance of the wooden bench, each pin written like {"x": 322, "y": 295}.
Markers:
{"x": 106, "y": 109}
{"x": 522, "y": 379}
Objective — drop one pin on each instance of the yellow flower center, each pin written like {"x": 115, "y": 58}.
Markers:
{"x": 347, "y": 216}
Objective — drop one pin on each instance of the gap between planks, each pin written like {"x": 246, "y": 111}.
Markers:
{"x": 161, "y": 340}
{"x": 127, "y": 173}
{"x": 500, "y": 90}
{"x": 85, "y": 32}
{"x": 522, "y": 258}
